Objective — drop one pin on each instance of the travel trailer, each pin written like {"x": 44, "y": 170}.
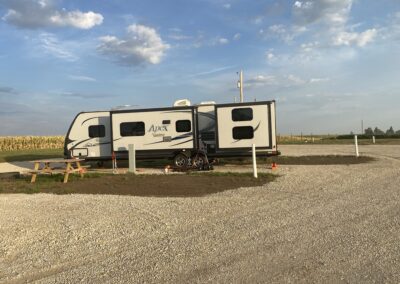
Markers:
{"x": 185, "y": 133}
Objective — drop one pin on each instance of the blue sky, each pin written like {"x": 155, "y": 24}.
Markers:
{"x": 328, "y": 63}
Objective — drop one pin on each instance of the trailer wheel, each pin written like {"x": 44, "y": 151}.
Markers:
{"x": 180, "y": 160}
{"x": 198, "y": 161}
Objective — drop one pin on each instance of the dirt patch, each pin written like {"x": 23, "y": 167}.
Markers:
{"x": 176, "y": 185}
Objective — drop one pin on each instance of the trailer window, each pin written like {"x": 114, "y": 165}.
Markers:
{"x": 132, "y": 128}
{"x": 97, "y": 131}
{"x": 242, "y": 114}
{"x": 183, "y": 125}
{"x": 243, "y": 132}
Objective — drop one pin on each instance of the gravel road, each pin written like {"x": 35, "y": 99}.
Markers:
{"x": 314, "y": 224}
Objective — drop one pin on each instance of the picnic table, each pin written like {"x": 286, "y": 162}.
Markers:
{"x": 47, "y": 166}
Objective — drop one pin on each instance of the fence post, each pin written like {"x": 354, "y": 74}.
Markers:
{"x": 373, "y": 139}
{"x": 254, "y": 161}
{"x": 132, "y": 158}
{"x": 356, "y": 144}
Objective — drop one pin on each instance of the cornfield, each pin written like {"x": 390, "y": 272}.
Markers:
{"x": 16, "y": 143}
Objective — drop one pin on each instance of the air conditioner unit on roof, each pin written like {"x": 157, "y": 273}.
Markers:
{"x": 184, "y": 102}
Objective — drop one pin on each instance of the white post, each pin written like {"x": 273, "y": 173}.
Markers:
{"x": 254, "y": 161}
{"x": 356, "y": 144}
{"x": 132, "y": 158}
{"x": 373, "y": 139}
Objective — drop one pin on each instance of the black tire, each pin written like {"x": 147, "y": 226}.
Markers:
{"x": 180, "y": 161}
{"x": 198, "y": 161}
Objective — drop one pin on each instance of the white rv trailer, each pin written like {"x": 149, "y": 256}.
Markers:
{"x": 179, "y": 132}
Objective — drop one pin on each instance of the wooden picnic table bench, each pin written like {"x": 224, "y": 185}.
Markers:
{"x": 69, "y": 166}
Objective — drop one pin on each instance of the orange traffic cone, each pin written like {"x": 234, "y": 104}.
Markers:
{"x": 274, "y": 166}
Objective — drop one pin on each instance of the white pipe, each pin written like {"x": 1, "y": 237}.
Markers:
{"x": 356, "y": 144}
{"x": 254, "y": 161}
{"x": 132, "y": 158}
{"x": 373, "y": 139}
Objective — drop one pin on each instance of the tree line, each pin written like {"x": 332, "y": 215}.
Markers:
{"x": 378, "y": 132}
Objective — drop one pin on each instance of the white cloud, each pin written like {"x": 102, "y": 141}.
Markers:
{"x": 326, "y": 24}
{"x": 51, "y": 45}
{"x": 177, "y": 34}
{"x": 44, "y": 13}
{"x": 237, "y": 36}
{"x": 219, "y": 41}
{"x": 141, "y": 45}
{"x": 309, "y": 46}
{"x": 274, "y": 80}
{"x": 282, "y": 32}
{"x": 223, "y": 40}
{"x": 353, "y": 38}
{"x": 261, "y": 81}
{"x": 227, "y": 6}
{"x": 292, "y": 79}
{"x": 319, "y": 80}
{"x": 332, "y": 12}
{"x": 270, "y": 56}
{"x": 212, "y": 71}
{"x": 77, "y": 19}
{"x": 82, "y": 78}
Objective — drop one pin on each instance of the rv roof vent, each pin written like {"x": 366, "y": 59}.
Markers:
{"x": 208, "y": 103}
{"x": 184, "y": 102}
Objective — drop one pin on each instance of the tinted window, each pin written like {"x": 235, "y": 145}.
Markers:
{"x": 132, "y": 129}
{"x": 166, "y": 122}
{"x": 242, "y": 114}
{"x": 243, "y": 132}
{"x": 183, "y": 125}
{"x": 97, "y": 131}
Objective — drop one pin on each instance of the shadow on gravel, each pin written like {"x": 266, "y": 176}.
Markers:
{"x": 174, "y": 185}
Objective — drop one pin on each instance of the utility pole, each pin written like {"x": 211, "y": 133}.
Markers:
{"x": 362, "y": 127}
{"x": 240, "y": 85}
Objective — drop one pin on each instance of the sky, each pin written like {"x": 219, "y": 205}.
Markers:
{"x": 328, "y": 63}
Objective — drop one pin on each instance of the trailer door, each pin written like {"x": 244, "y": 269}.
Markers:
{"x": 241, "y": 125}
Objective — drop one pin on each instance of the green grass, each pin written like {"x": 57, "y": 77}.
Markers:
{"x": 29, "y": 155}
{"x": 23, "y": 184}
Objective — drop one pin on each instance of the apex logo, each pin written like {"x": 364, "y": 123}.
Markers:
{"x": 158, "y": 128}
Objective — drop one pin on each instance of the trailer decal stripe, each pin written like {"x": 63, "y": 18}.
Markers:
{"x": 183, "y": 142}
{"x": 89, "y": 119}
{"x": 83, "y": 141}
{"x": 183, "y": 136}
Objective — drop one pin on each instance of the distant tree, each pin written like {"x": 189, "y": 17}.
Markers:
{"x": 369, "y": 131}
{"x": 351, "y": 133}
{"x": 390, "y": 131}
{"x": 397, "y": 132}
{"x": 377, "y": 131}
